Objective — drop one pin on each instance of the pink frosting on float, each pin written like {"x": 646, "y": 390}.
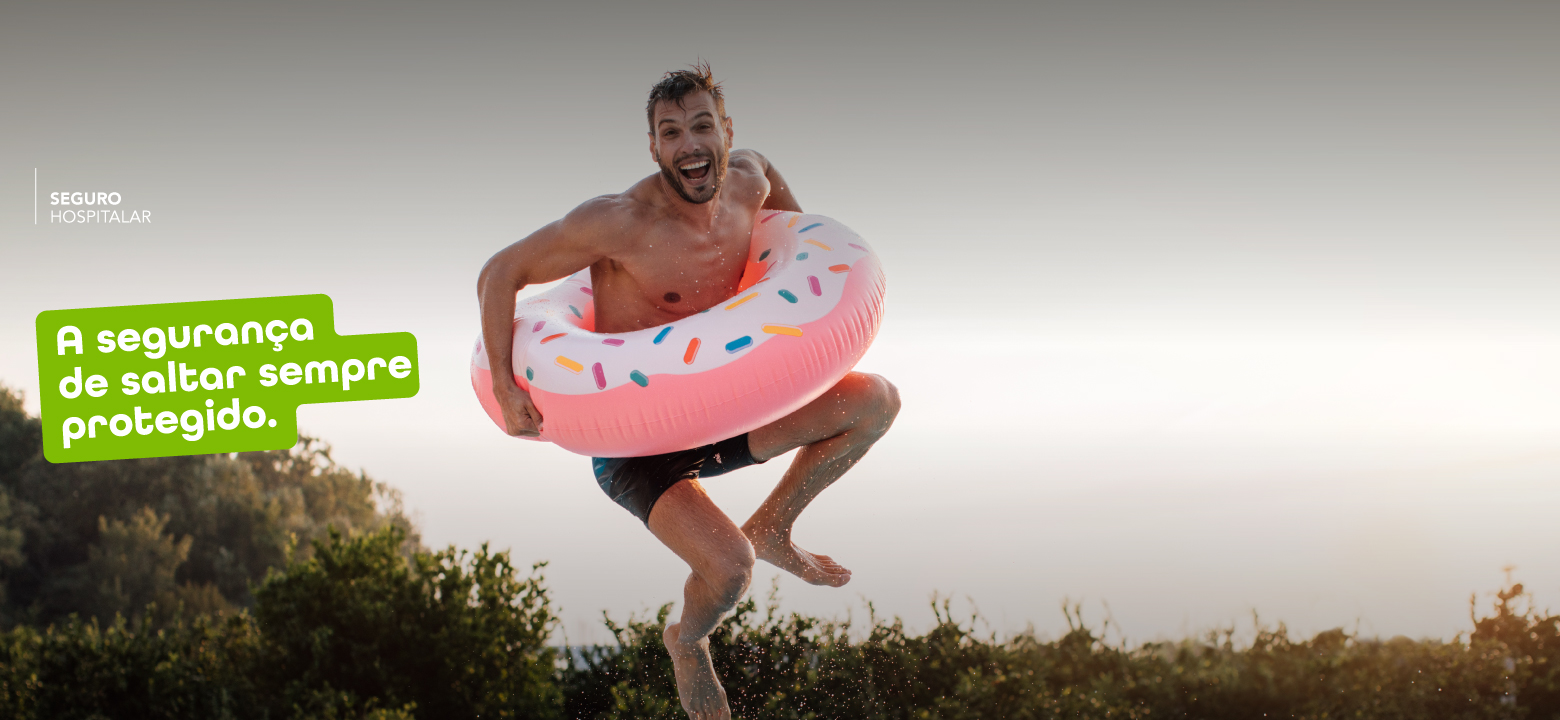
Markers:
{"x": 693, "y": 407}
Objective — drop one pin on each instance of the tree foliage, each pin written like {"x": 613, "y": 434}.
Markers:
{"x": 193, "y": 532}
{"x": 359, "y": 630}
{"x": 453, "y": 633}
{"x": 792, "y": 667}
{"x": 277, "y": 585}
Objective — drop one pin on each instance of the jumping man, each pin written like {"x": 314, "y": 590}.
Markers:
{"x": 674, "y": 244}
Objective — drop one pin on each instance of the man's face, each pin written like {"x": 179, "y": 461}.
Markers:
{"x": 690, "y": 142}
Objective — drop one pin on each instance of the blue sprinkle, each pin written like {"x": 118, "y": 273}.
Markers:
{"x": 739, "y": 343}
{"x": 801, "y": 256}
{"x": 705, "y": 310}
{"x": 661, "y": 335}
{"x": 809, "y": 227}
{"x": 761, "y": 257}
{"x": 576, "y": 312}
{"x": 529, "y": 375}
{"x": 788, "y": 296}
{"x": 639, "y": 378}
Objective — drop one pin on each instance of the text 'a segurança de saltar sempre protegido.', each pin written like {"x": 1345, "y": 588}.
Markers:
{"x": 203, "y": 377}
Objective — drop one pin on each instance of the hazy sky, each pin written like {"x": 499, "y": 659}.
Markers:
{"x": 1195, "y": 307}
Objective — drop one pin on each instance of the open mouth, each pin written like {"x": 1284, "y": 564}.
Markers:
{"x": 695, "y": 171}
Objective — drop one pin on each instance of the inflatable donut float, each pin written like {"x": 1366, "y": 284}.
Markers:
{"x": 809, "y": 304}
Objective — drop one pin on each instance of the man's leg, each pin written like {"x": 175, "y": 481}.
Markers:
{"x": 833, "y": 432}
{"x": 688, "y": 522}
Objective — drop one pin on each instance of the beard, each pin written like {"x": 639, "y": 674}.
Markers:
{"x": 716, "y": 175}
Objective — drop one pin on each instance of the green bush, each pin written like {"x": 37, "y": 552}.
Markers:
{"x": 198, "y": 532}
{"x": 356, "y": 631}
{"x": 456, "y": 634}
{"x": 364, "y": 624}
{"x": 201, "y": 669}
{"x": 359, "y": 630}
{"x": 792, "y": 666}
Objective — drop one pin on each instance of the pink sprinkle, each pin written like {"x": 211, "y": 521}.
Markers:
{"x": 812, "y": 282}
{"x": 538, "y": 326}
{"x": 771, "y": 217}
{"x": 614, "y": 342}
{"x": 586, "y": 290}
{"x": 601, "y": 376}
{"x": 858, "y": 247}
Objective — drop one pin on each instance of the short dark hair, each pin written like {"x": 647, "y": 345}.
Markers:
{"x": 678, "y": 84}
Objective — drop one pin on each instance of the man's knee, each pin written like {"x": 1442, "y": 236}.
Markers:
{"x": 728, "y": 578}
{"x": 881, "y": 405}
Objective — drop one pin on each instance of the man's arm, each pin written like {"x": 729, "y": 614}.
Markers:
{"x": 780, "y": 197}
{"x": 556, "y": 251}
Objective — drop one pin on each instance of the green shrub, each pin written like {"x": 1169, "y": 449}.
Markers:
{"x": 105, "y": 538}
{"x": 356, "y": 631}
{"x": 200, "y": 669}
{"x": 456, "y": 634}
{"x": 792, "y": 666}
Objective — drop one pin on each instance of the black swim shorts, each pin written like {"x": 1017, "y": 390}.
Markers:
{"x": 637, "y": 482}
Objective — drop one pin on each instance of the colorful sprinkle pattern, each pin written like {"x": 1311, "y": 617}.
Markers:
{"x": 752, "y": 309}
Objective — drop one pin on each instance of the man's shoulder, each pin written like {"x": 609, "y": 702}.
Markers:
{"x": 747, "y": 159}
{"x": 603, "y": 212}
{"x": 601, "y": 207}
{"x": 602, "y": 220}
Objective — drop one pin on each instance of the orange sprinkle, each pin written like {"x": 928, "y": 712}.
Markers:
{"x": 551, "y": 338}
{"x": 839, "y": 268}
{"x": 744, "y": 299}
{"x": 783, "y": 330}
{"x": 794, "y": 218}
{"x": 819, "y": 244}
{"x": 569, "y": 365}
{"x": 693, "y": 351}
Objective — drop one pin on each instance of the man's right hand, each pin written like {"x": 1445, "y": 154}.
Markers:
{"x": 554, "y": 252}
{"x": 521, "y": 418}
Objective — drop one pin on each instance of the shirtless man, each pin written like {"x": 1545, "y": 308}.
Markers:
{"x": 674, "y": 244}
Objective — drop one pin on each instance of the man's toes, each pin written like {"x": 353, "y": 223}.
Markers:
{"x": 828, "y": 564}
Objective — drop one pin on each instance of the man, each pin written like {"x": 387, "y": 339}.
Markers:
{"x": 672, "y": 245}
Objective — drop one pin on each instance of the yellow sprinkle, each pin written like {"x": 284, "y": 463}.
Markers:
{"x": 744, "y": 299}
{"x": 569, "y": 365}
{"x": 819, "y": 244}
{"x": 783, "y": 330}
{"x": 794, "y": 218}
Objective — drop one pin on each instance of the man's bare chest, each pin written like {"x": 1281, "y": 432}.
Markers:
{"x": 692, "y": 270}
{"x": 670, "y": 274}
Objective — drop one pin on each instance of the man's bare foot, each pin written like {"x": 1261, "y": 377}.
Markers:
{"x": 778, "y": 550}
{"x": 697, "y": 687}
